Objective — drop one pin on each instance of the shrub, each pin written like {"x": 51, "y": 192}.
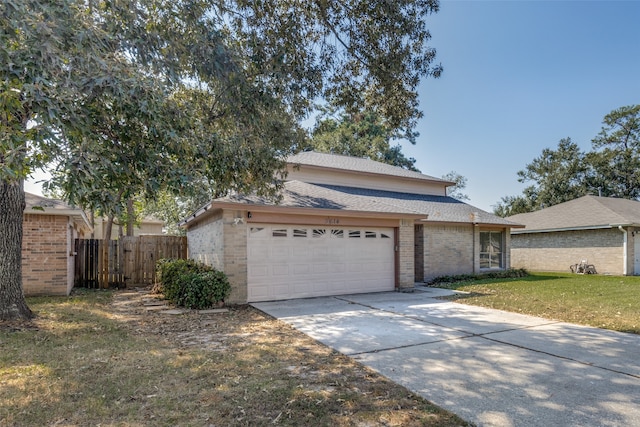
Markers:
{"x": 191, "y": 284}
{"x": 501, "y": 274}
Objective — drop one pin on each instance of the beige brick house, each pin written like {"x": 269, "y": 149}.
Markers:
{"x": 345, "y": 225}
{"x": 601, "y": 230}
{"x": 50, "y": 228}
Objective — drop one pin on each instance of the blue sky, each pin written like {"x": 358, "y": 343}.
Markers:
{"x": 518, "y": 77}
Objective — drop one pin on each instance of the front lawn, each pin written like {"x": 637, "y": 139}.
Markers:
{"x": 609, "y": 302}
{"x": 103, "y": 358}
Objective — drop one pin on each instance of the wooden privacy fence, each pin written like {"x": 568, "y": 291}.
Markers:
{"x": 124, "y": 262}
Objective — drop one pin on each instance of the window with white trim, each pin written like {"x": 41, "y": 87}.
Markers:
{"x": 491, "y": 249}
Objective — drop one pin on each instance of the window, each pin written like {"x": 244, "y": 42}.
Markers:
{"x": 319, "y": 232}
{"x": 370, "y": 234}
{"x": 491, "y": 249}
{"x": 282, "y": 232}
{"x": 384, "y": 236}
{"x": 337, "y": 233}
{"x": 299, "y": 232}
{"x": 354, "y": 234}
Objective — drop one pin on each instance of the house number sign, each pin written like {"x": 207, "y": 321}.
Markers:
{"x": 332, "y": 221}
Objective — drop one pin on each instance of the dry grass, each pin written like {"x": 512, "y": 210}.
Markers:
{"x": 609, "y": 302}
{"x": 99, "y": 358}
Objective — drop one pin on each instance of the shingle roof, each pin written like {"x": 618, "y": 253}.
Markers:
{"x": 356, "y": 164}
{"x": 438, "y": 208}
{"x": 34, "y": 202}
{"x": 582, "y": 213}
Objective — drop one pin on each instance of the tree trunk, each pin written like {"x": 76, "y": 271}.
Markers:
{"x": 130, "y": 217}
{"x": 106, "y": 239}
{"x": 12, "y": 303}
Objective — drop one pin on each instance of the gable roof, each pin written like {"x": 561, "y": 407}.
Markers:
{"x": 587, "y": 212}
{"x": 428, "y": 208}
{"x": 358, "y": 164}
{"x": 35, "y": 205}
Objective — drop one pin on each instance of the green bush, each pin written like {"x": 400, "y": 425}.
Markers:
{"x": 500, "y": 274}
{"x": 191, "y": 284}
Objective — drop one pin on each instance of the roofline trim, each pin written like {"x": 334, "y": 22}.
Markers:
{"x": 426, "y": 178}
{"x": 586, "y": 227}
{"x": 218, "y": 206}
{"x": 76, "y": 214}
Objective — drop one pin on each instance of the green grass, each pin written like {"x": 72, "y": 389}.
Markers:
{"x": 609, "y": 302}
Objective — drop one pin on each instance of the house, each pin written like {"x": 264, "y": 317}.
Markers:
{"x": 345, "y": 225}
{"x": 602, "y": 230}
{"x": 146, "y": 226}
{"x": 49, "y": 229}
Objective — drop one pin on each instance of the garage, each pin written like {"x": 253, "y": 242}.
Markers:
{"x": 294, "y": 261}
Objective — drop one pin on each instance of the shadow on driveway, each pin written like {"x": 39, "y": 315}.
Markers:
{"x": 490, "y": 367}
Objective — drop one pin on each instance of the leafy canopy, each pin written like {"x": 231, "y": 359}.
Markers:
{"x": 132, "y": 96}
{"x": 566, "y": 173}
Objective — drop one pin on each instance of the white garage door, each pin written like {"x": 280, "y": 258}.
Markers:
{"x": 287, "y": 262}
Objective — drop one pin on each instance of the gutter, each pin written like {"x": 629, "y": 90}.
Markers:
{"x": 624, "y": 249}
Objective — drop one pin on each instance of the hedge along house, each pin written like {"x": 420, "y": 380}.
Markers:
{"x": 602, "y": 230}
{"x": 50, "y": 228}
{"x": 344, "y": 225}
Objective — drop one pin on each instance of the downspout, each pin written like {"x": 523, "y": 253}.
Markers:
{"x": 624, "y": 248}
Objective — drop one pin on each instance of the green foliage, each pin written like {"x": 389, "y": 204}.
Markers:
{"x": 502, "y": 274}
{"x": 124, "y": 99}
{"x": 191, "y": 284}
{"x": 360, "y": 135}
{"x": 455, "y": 191}
{"x": 567, "y": 173}
{"x": 615, "y": 160}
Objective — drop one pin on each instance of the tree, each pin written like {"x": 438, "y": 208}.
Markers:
{"x": 558, "y": 175}
{"x": 455, "y": 191}
{"x": 615, "y": 161}
{"x": 610, "y": 169}
{"x": 138, "y": 96}
{"x": 360, "y": 135}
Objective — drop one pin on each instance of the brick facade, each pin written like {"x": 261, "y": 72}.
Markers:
{"x": 406, "y": 247}
{"x": 448, "y": 250}
{"x": 221, "y": 242}
{"x": 556, "y": 251}
{"x": 47, "y": 259}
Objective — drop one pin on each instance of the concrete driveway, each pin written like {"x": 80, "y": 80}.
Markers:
{"x": 490, "y": 367}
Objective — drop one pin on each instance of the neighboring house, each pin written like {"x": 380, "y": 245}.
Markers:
{"x": 345, "y": 225}
{"x": 50, "y": 228}
{"x": 146, "y": 226}
{"x": 602, "y": 230}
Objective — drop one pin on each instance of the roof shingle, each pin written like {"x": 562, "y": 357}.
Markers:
{"x": 357, "y": 164}
{"x": 437, "y": 208}
{"x": 584, "y": 212}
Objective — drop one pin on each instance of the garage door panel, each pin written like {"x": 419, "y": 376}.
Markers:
{"x": 287, "y": 262}
{"x": 280, "y": 269}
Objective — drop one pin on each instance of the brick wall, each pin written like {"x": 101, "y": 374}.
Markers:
{"x": 46, "y": 255}
{"x": 557, "y": 251}
{"x": 205, "y": 241}
{"x": 406, "y": 243}
{"x": 235, "y": 254}
{"x": 448, "y": 250}
{"x": 221, "y": 241}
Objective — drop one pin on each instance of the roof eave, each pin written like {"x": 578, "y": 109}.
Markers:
{"x": 77, "y": 215}
{"x": 580, "y": 228}
{"x": 370, "y": 174}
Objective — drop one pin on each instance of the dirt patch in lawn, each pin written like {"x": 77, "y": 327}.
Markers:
{"x": 118, "y": 358}
{"x": 269, "y": 373}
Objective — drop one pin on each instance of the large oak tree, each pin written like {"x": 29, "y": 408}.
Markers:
{"x": 139, "y": 96}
